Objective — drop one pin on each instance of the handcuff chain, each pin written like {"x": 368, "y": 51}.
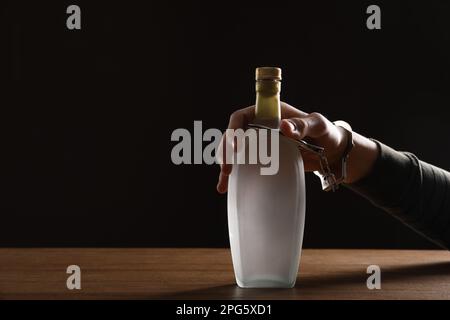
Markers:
{"x": 325, "y": 169}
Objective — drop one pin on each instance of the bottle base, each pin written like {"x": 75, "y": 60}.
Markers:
{"x": 265, "y": 283}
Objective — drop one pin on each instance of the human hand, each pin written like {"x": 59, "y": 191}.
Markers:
{"x": 313, "y": 127}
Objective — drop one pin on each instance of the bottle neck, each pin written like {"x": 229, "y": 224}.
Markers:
{"x": 268, "y": 111}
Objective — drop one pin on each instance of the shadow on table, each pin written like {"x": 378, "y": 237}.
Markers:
{"x": 313, "y": 286}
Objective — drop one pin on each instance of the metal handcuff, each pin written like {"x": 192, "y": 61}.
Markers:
{"x": 327, "y": 177}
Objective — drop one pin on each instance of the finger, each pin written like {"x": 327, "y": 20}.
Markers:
{"x": 314, "y": 125}
{"x": 288, "y": 111}
{"x": 238, "y": 119}
{"x": 222, "y": 185}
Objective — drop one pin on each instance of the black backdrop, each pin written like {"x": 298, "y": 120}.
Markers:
{"x": 86, "y": 116}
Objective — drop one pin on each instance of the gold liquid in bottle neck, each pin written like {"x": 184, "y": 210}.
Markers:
{"x": 268, "y": 87}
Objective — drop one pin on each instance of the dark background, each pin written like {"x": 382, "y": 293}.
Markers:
{"x": 86, "y": 116}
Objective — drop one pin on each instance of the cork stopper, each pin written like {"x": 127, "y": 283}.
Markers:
{"x": 268, "y": 73}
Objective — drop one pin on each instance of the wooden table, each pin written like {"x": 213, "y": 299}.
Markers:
{"x": 208, "y": 274}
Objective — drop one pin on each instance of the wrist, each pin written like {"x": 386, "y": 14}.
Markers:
{"x": 335, "y": 159}
{"x": 333, "y": 172}
{"x": 361, "y": 159}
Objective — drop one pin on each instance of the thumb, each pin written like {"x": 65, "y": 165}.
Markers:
{"x": 313, "y": 125}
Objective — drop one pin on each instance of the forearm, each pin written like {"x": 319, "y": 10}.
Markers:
{"x": 413, "y": 191}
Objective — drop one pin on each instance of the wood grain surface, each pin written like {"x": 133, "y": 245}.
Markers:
{"x": 156, "y": 273}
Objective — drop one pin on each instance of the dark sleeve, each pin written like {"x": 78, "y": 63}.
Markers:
{"x": 413, "y": 191}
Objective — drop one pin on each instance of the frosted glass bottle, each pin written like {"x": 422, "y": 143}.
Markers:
{"x": 266, "y": 213}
